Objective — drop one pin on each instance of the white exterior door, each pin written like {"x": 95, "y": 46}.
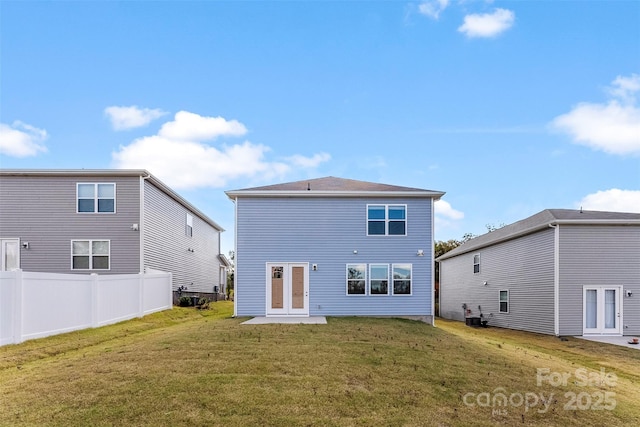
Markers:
{"x": 287, "y": 289}
{"x": 602, "y": 306}
{"x": 10, "y": 254}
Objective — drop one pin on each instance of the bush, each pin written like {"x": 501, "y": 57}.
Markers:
{"x": 184, "y": 302}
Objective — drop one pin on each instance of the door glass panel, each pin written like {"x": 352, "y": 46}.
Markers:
{"x": 297, "y": 287}
{"x": 609, "y": 308}
{"x": 277, "y": 287}
{"x": 591, "y": 308}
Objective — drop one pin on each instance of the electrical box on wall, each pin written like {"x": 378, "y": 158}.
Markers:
{"x": 314, "y": 267}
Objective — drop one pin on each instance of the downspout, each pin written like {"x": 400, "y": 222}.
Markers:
{"x": 433, "y": 268}
{"x": 556, "y": 279}
{"x": 235, "y": 257}
{"x": 141, "y": 227}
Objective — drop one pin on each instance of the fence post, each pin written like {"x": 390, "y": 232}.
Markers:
{"x": 18, "y": 300}
{"x": 171, "y": 290}
{"x": 140, "y": 294}
{"x": 94, "y": 300}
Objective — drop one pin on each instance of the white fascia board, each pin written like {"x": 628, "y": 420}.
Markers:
{"x": 74, "y": 172}
{"x": 313, "y": 193}
{"x": 541, "y": 227}
{"x": 596, "y": 222}
{"x": 493, "y": 242}
{"x": 114, "y": 173}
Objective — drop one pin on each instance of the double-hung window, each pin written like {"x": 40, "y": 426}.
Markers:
{"x": 189, "y": 227}
{"x": 476, "y": 263}
{"x": 96, "y": 197}
{"x": 90, "y": 254}
{"x": 401, "y": 279}
{"x": 356, "y": 279}
{"x": 379, "y": 279}
{"x": 387, "y": 220}
{"x": 504, "y": 301}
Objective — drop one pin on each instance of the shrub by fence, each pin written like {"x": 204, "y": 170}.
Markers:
{"x": 35, "y": 305}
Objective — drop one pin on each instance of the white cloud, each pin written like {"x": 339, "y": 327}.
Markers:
{"x": 613, "y": 200}
{"x": 188, "y": 126}
{"x": 433, "y": 8}
{"x": 487, "y": 24}
{"x": 613, "y": 127}
{"x": 179, "y": 155}
{"x": 446, "y": 217}
{"x": 124, "y": 118}
{"x": 625, "y": 88}
{"x": 444, "y": 209}
{"x": 309, "y": 162}
{"x": 22, "y": 140}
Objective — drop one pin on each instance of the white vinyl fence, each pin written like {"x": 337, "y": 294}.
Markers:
{"x": 35, "y": 305}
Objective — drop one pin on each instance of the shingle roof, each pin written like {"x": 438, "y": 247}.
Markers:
{"x": 333, "y": 186}
{"x": 542, "y": 220}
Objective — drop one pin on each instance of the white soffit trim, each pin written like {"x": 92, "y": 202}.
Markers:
{"x": 311, "y": 193}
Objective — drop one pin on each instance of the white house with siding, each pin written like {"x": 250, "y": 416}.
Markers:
{"x": 560, "y": 272}
{"x": 107, "y": 222}
{"x": 334, "y": 246}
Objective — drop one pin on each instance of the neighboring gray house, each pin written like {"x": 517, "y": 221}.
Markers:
{"x": 560, "y": 272}
{"x": 106, "y": 222}
{"x": 332, "y": 246}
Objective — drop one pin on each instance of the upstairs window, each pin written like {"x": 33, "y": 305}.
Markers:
{"x": 96, "y": 198}
{"x": 189, "y": 226}
{"x": 386, "y": 220}
{"x": 90, "y": 254}
{"x": 476, "y": 263}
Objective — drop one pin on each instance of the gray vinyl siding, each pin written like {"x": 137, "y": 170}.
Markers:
{"x": 41, "y": 210}
{"x": 598, "y": 255}
{"x": 166, "y": 243}
{"x": 326, "y": 231}
{"x": 524, "y": 266}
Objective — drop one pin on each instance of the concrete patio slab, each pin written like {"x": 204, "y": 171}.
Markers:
{"x": 622, "y": 341}
{"x": 313, "y": 320}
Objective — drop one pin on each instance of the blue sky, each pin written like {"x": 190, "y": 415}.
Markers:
{"x": 509, "y": 107}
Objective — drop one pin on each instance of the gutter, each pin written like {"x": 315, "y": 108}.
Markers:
{"x": 436, "y": 195}
{"x": 235, "y": 259}
{"x": 143, "y": 173}
{"x": 141, "y": 228}
{"x": 463, "y": 250}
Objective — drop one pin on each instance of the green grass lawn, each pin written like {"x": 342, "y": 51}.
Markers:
{"x": 191, "y": 367}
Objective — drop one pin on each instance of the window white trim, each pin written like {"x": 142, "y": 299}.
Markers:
{"x": 393, "y": 279}
{"x": 371, "y": 279}
{"x": 363, "y": 279}
{"x": 96, "y": 198}
{"x": 476, "y": 264}
{"x": 500, "y": 301}
{"x": 91, "y": 255}
{"x": 387, "y": 220}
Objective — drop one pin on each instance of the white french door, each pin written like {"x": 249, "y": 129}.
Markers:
{"x": 10, "y": 251}
{"x": 602, "y": 310}
{"x": 287, "y": 289}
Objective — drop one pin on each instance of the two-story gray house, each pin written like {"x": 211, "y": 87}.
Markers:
{"x": 560, "y": 272}
{"x": 333, "y": 246}
{"x": 107, "y": 222}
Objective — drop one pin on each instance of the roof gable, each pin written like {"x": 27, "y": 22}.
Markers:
{"x": 92, "y": 173}
{"x": 540, "y": 221}
{"x": 332, "y": 186}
